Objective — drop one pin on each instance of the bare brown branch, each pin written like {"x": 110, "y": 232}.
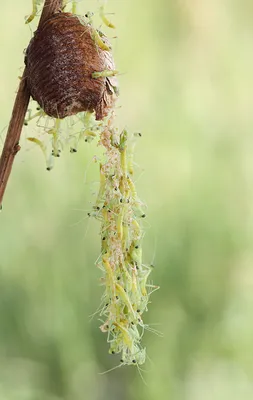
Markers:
{"x": 11, "y": 145}
{"x": 50, "y": 7}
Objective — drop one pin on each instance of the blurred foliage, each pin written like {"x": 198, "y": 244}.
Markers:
{"x": 186, "y": 84}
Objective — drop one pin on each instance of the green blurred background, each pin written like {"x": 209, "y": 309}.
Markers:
{"x": 187, "y": 85}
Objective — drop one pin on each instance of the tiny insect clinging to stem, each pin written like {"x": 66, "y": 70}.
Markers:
{"x": 35, "y": 4}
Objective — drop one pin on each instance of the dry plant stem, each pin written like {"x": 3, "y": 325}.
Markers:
{"x": 11, "y": 145}
{"x": 50, "y": 7}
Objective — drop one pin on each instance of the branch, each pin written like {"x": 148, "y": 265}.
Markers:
{"x": 11, "y": 145}
{"x": 50, "y": 7}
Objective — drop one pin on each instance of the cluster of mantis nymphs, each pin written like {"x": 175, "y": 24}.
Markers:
{"x": 124, "y": 275}
{"x": 120, "y": 212}
{"x": 73, "y": 6}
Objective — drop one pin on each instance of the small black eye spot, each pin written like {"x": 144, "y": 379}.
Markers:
{"x": 134, "y": 361}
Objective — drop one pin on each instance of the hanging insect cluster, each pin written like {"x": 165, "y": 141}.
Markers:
{"x": 70, "y": 72}
{"x": 125, "y": 276}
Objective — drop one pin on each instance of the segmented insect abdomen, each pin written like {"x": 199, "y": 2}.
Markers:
{"x": 60, "y": 60}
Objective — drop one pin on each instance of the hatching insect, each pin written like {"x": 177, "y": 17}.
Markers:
{"x": 43, "y": 149}
{"x": 107, "y": 73}
{"x": 35, "y": 4}
{"x": 104, "y": 19}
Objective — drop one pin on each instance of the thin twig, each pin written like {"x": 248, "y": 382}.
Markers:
{"x": 11, "y": 145}
{"x": 50, "y": 7}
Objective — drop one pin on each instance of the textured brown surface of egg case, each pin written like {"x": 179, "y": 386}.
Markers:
{"x": 60, "y": 60}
